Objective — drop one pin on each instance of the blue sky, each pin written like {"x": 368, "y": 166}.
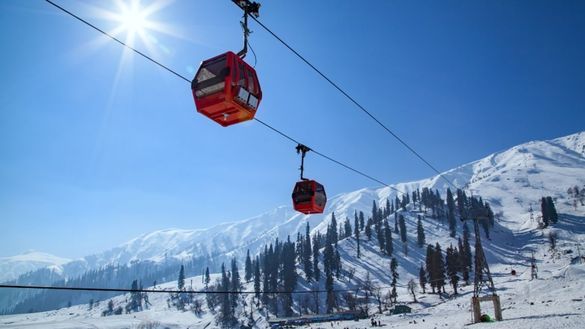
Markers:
{"x": 98, "y": 145}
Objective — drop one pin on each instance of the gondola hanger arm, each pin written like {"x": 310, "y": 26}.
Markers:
{"x": 249, "y": 8}
{"x": 302, "y": 149}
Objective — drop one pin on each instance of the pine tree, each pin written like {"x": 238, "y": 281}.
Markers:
{"x": 347, "y": 228}
{"x": 439, "y": 266}
{"x": 299, "y": 247}
{"x": 362, "y": 220}
{"x": 393, "y": 270}
{"x": 545, "y": 212}
{"x": 257, "y": 277}
{"x": 266, "y": 272}
{"x": 248, "y": 270}
{"x": 181, "y": 280}
{"x": 422, "y": 278}
{"x": 466, "y": 254}
{"x": 553, "y": 215}
{"x": 380, "y": 235}
{"x": 135, "y": 298}
{"x": 235, "y": 285}
{"x": 207, "y": 278}
{"x": 110, "y": 309}
{"x": 369, "y": 229}
{"x": 356, "y": 232}
{"x": 453, "y": 265}
{"x": 451, "y": 213}
{"x": 375, "y": 212}
{"x": 316, "y": 247}
{"x": 389, "y": 248}
{"x": 430, "y": 265}
{"x": 462, "y": 204}
{"x": 328, "y": 261}
{"x": 402, "y": 224}
{"x": 333, "y": 229}
{"x": 307, "y": 251}
{"x": 226, "y": 315}
{"x": 461, "y": 260}
{"x": 420, "y": 233}
{"x": 289, "y": 276}
{"x": 396, "y": 223}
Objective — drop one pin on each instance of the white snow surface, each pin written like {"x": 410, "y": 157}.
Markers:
{"x": 554, "y": 300}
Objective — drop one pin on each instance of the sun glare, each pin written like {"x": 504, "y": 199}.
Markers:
{"x": 133, "y": 18}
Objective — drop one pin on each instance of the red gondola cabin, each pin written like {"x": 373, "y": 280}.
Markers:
{"x": 309, "y": 197}
{"x": 226, "y": 89}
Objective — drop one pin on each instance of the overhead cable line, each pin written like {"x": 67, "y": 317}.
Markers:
{"x": 205, "y": 292}
{"x": 197, "y": 292}
{"x": 189, "y": 81}
{"x": 118, "y": 40}
{"x": 351, "y": 99}
{"x": 328, "y": 157}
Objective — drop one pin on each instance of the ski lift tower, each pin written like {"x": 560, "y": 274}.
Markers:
{"x": 483, "y": 278}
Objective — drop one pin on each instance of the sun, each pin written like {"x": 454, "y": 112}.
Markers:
{"x": 134, "y": 24}
{"x": 133, "y": 20}
{"x": 133, "y": 17}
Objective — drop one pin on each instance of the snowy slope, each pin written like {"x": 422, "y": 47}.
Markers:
{"x": 12, "y": 267}
{"x": 554, "y": 300}
{"x": 512, "y": 180}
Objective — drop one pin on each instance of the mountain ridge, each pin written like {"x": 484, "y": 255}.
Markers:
{"x": 489, "y": 177}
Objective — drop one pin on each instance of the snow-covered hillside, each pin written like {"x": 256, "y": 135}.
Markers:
{"x": 512, "y": 181}
{"x": 12, "y": 267}
{"x": 554, "y": 300}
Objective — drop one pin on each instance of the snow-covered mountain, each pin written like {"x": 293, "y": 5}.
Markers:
{"x": 12, "y": 267}
{"x": 513, "y": 180}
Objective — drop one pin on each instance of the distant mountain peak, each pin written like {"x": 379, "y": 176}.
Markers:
{"x": 30, "y": 260}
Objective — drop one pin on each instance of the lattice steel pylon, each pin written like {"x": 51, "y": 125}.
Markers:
{"x": 482, "y": 278}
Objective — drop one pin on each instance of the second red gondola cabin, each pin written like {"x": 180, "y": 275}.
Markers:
{"x": 309, "y": 197}
{"x": 226, "y": 89}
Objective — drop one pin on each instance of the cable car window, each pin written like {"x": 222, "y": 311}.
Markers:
{"x": 211, "y": 77}
{"x": 251, "y": 81}
{"x": 234, "y": 72}
{"x": 242, "y": 80}
{"x": 302, "y": 193}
